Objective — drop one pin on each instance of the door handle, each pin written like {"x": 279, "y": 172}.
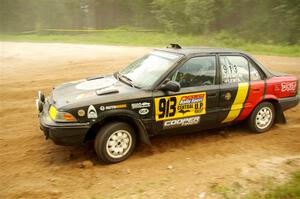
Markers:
{"x": 211, "y": 94}
{"x": 256, "y": 90}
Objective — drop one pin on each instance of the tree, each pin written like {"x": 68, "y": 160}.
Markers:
{"x": 253, "y": 20}
{"x": 200, "y": 15}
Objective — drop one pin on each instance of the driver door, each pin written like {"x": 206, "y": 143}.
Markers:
{"x": 196, "y": 105}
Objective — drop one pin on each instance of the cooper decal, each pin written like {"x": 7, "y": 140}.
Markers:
{"x": 179, "y": 106}
{"x": 143, "y": 111}
{"x": 181, "y": 122}
{"x": 92, "y": 113}
{"x": 140, "y": 105}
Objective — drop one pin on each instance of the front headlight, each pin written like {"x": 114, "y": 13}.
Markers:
{"x": 61, "y": 116}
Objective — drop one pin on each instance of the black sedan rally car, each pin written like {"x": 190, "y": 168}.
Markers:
{"x": 169, "y": 90}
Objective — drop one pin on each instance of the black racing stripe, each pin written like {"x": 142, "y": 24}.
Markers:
{"x": 265, "y": 89}
{"x": 225, "y": 105}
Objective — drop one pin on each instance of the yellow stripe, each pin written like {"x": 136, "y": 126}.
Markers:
{"x": 238, "y": 102}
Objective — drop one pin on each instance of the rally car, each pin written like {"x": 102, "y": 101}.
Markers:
{"x": 169, "y": 90}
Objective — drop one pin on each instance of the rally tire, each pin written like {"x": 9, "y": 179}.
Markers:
{"x": 115, "y": 142}
{"x": 262, "y": 118}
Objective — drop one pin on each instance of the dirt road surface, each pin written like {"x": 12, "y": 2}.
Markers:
{"x": 182, "y": 166}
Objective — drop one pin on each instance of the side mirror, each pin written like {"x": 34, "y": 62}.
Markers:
{"x": 170, "y": 86}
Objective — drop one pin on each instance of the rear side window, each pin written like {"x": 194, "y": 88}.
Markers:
{"x": 197, "y": 71}
{"x": 254, "y": 73}
{"x": 234, "y": 69}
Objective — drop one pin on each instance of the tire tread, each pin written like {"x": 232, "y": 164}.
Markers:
{"x": 102, "y": 136}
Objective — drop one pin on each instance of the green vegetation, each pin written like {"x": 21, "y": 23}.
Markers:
{"x": 226, "y": 192}
{"x": 157, "y": 39}
{"x": 255, "y": 21}
{"x": 264, "y": 27}
{"x": 288, "y": 190}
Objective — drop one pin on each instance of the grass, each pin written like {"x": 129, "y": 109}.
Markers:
{"x": 224, "y": 191}
{"x": 288, "y": 190}
{"x": 156, "y": 39}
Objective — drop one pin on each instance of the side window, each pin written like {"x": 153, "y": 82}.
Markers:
{"x": 197, "y": 71}
{"x": 234, "y": 69}
{"x": 254, "y": 73}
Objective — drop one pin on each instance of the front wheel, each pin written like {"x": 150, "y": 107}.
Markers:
{"x": 262, "y": 117}
{"x": 115, "y": 142}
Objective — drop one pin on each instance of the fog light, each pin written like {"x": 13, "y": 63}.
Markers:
{"x": 39, "y": 105}
{"x": 41, "y": 96}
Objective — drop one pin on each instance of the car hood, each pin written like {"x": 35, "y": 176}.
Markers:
{"x": 93, "y": 90}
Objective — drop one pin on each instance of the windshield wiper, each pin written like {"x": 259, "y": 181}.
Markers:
{"x": 126, "y": 80}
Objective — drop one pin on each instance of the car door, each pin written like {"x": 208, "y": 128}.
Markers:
{"x": 195, "y": 106}
{"x": 234, "y": 86}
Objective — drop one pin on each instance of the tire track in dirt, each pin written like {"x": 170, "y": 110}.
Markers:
{"x": 175, "y": 167}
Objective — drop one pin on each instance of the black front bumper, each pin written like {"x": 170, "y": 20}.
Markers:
{"x": 289, "y": 102}
{"x": 62, "y": 133}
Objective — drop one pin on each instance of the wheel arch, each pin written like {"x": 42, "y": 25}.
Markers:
{"x": 279, "y": 116}
{"x": 139, "y": 128}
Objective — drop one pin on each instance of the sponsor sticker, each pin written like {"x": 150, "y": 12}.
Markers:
{"x": 143, "y": 111}
{"x": 81, "y": 112}
{"x": 102, "y": 108}
{"x": 112, "y": 107}
{"x": 179, "y": 106}
{"x": 188, "y": 121}
{"x": 140, "y": 105}
{"x": 288, "y": 86}
{"x": 92, "y": 112}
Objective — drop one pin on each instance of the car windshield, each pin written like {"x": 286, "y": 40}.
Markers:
{"x": 145, "y": 71}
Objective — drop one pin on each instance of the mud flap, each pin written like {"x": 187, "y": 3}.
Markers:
{"x": 143, "y": 134}
{"x": 280, "y": 118}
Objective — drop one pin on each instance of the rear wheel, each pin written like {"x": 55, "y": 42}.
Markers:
{"x": 115, "y": 142}
{"x": 262, "y": 117}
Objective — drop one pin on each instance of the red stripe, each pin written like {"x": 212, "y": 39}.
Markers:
{"x": 256, "y": 92}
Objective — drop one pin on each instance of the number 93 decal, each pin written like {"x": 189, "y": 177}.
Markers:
{"x": 179, "y": 106}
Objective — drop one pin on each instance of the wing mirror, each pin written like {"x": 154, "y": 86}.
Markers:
{"x": 170, "y": 86}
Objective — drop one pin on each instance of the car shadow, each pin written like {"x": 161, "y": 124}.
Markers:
{"x": 170, "y": 143}
{"x": 74, "y": 155}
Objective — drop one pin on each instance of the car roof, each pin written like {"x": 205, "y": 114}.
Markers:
{"x": 187, "y": 51}
{"x": 198, "y": 50}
